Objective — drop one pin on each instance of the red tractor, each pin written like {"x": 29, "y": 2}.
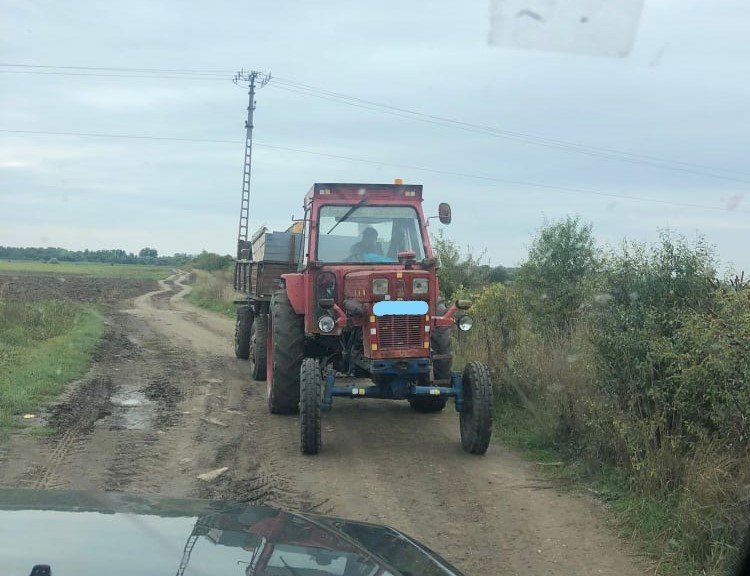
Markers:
{"x": 361, "y": 301}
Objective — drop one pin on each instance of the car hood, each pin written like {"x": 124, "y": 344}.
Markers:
{"x": 85, "y": 533}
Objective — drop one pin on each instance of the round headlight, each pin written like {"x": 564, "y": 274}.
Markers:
{"x": 420, "y": 285}
{"x": 380, "y": 286}
{"x": 465, "y": 322}
{"x": 326, "y": 324}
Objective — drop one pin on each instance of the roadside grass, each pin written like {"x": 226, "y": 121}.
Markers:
{"x": 95, "y": 269}
{"x": 651, "y": 522}
{"x": 213, "y": 291}
{"x": 43, "y": 346}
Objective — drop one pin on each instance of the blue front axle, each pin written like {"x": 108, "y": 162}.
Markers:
{"x": 396, "y": 380}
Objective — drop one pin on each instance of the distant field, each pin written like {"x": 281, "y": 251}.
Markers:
{"x": 95, "y": 269}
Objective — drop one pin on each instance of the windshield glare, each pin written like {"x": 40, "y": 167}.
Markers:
{"x": 371, "y": 234}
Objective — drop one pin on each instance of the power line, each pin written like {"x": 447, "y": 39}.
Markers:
{"x": 123, "y": 136}
{"x": 381, "y": 163}
{"x": 222, "y": 73}
{"x": 313, "y": 91}
{"x": 321, "y": 93}
{"x": 114, "y": 75}
{"x": 596, "y": 152}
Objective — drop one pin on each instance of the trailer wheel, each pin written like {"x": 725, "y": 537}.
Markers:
{"x": 310, "y": 385}
{"x": 242, "y": 332}
{"x": 258, "y": 336}
{"x": 285, "y": 351}
{"x": 476, "y": 417}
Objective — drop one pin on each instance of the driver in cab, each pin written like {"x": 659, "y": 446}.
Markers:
{"x": 367, "y": 249}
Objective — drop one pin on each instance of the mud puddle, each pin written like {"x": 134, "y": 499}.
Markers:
{"x": 130, "y": 409}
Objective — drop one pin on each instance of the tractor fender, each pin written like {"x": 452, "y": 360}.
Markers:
{"x": 295, "y": 290}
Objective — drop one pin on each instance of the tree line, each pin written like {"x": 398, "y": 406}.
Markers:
{"x": 111, "y": 256}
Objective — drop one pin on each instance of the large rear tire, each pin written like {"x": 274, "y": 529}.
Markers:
{"x": 440, "y": 343}
{"x": 258, "y": 344}
{"x": 310, "y": 385}
{"x": 476, "y": 417}
{"x": 286, "y": 350}
{"x": 242, "y": 332}
{"x": 427, "y": 404}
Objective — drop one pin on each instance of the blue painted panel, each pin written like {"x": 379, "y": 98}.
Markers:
{"x": 395, "y": 307}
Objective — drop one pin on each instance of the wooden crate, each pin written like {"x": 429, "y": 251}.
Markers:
{"x": 242, "y": 275}
{"x": 265, "y": 277}
{"x": 275, "y": 246}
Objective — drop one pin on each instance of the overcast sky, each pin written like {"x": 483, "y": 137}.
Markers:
{"x": 682, "y": 94}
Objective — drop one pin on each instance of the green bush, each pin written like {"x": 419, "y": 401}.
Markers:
{"x": 460, "y": 272}
{"x": 213, "y": 291}
{"x": 210, "y": 262}
{"x": 634, "y": 367}
{"x": 554, "y": 280}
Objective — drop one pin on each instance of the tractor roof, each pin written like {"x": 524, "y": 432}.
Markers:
{"x": 355, "y": 192}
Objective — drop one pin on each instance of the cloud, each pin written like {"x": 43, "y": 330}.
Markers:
{"x": 420, "y": 55}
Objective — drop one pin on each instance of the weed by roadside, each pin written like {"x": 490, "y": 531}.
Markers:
{"x": 43, "y": 346}
{"x": 213, "y": 291}
{"x": 629, "y": 370}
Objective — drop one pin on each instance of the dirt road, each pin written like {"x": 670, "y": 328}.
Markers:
{"x": 166, "y": 401}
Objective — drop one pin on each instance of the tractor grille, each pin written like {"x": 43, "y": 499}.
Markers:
{"x": 400, "y": 331}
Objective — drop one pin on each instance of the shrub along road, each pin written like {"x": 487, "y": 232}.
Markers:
{"x": 167, "y": 401}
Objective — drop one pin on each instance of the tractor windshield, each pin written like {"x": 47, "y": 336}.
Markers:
{"x": 371, "y": 234}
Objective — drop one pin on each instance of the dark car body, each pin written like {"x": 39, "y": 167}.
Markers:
{"x": 84, "y": 533}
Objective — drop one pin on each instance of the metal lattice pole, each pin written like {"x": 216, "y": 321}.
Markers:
{"x": 254, "y": 80}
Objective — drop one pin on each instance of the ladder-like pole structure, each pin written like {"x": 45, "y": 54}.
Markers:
{"x": 255, "y": 80}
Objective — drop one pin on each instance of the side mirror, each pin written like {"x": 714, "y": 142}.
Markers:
{"x": 444, "y": 213}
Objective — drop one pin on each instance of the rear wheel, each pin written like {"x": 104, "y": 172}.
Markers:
{"x": 476, "y": 417}
{"x": 427, "y": 404}
{"x": 310, "y": 385}
{"x": 258, "y": 336}
{"x": 242, "y": 332}
{"x": 440, "y": 343}
{"x": 285, "y": 351}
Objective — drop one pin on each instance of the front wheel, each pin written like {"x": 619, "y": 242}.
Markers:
{"x": 310, "y": 385}
{"x": 476, "y": 416}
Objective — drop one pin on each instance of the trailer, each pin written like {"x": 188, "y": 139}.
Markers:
{"x": 261, "y": 262}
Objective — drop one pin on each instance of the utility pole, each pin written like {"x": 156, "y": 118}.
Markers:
{"x": 254, "y": 79}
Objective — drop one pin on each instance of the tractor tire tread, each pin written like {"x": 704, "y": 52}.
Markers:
{"x": 440, "y": 343}
{"x": 258, "y": 370}
{"x": 427, "y": 404}
{"x": 242, "y": 332}
{"x": 311, "y": 382}
{"x": 476, "y": 417}
{"x": 288, "y": 341}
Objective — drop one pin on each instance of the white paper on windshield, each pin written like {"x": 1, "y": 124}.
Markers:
{"x": 593, "y": 27}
